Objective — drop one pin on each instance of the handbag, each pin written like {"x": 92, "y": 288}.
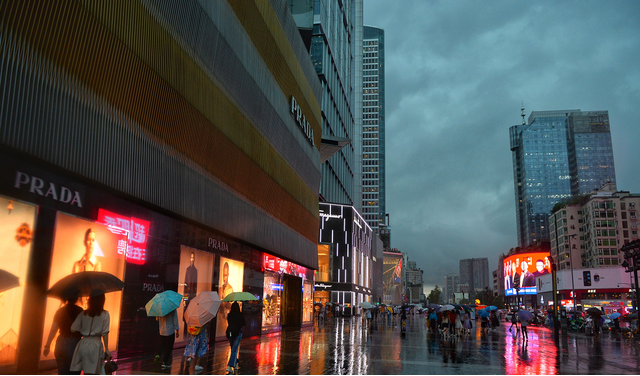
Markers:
{"x": 110, "y": 366}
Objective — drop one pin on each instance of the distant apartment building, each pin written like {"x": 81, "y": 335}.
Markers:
{"x": 602, "y": 223}
{"x": 557, "y": 154}
{"x": 475, "y": 273}
{"x": 451, "y": 286}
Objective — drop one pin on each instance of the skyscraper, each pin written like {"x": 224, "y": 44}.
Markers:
{"x": 557, "y": 154}
{"x": 333, "y": 55}
{"x": 475, "y": 273}
{"x": 373, "y": 130}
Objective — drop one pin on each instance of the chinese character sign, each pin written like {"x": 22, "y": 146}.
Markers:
{"x": 136, "y": 247}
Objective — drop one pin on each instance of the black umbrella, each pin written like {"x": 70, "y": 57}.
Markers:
{"x": 85, "y": 284}
{"x": 8, "y": 280}
{"x": 594, "y": 311}
{"x": 632, "y": 316}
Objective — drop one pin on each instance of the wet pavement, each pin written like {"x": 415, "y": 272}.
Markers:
{"x": 346, "y": 346}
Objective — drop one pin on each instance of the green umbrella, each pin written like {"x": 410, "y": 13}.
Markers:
{"x": 239, "y": 297}
{"x": 163, "y": 303}
{"x": 366, "y": 305}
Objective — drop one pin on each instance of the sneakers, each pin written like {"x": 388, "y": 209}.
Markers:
{"x": 229, "y": 369}
{"x": 166, "y": 366}
{"x": 198, "y": 368}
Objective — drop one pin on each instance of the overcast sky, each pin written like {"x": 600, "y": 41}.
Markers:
{"x": 456, "y": 74}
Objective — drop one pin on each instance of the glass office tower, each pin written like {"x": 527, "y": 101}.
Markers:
{"x": 373, "y": 135}
{"x": 333, "y": 55}
{"x": 557, "y": 154}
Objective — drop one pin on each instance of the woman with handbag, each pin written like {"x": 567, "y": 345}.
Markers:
{"x": 235, "y": 321}
{"x": 93, "y": 324}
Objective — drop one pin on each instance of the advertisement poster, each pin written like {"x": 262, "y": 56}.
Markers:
{"x": 392, "y": 279}
{"x": 272, "y": 292}
{"x": 195, "y": 276}
{"x": 521, "y": 271}
{"x": 16, "y": 232}
{"x": 231, "y": 280}
{"x": 82, "y": 245}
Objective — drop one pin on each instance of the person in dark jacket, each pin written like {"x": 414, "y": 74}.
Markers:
{"x": 67, "y": 340}
{"x": 235, "y": 321}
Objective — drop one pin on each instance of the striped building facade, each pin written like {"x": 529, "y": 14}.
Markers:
{"x": 201, "y": 118}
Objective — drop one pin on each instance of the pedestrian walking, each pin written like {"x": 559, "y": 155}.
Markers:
{"x": 235, "y": 321}
{"x": 433, "y": 319}
{"x": 403, "y": 320}
{"x": 523, "y": 325}
{"x": 445, "y": 324}
{"x": 452, "y": 323}
{"x": 93, "y": 325}
{"x": 514, "y": 321}
{"x": 197, "y": 347}
{"x": 484, "y": 324}
{"x": 67, "y": 340}
{"x": 495, "y": 323}
{"x": 459, "y": 326}
{"x": 169, "y": 327}
{"x": 467, "y": 323}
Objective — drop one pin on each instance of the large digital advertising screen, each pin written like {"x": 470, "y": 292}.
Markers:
{"x": 521, "y": 270}
{"x": 231, "y": 280}
{"x": 392, "y": 278}
{"x": 194, "y": 276}
{"x": 16, "y": 233}
{"x": 82, "y": 245}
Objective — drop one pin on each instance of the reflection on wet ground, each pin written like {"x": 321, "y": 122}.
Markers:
{"x": 346, "y": 346}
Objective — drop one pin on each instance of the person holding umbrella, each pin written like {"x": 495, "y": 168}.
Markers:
{"x": 164, "y": 307}
{"x": 93, "y": 324}
{"x": 202, "y": 309}
{"x": 235, "y": 321}
{"x": 67, "y": 340}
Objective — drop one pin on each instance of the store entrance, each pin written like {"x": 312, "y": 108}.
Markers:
{"x": 291, "y": 301}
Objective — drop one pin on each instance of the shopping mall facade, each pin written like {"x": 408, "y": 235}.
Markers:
{"x": 185, "y": 138}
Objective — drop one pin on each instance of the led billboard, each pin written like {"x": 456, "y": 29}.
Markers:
{"x": 521, "y": 270}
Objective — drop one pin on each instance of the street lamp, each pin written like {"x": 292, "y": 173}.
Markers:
{"x": 573, "y": 287}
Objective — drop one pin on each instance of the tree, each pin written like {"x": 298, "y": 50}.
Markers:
{"x": 434, "y": 295}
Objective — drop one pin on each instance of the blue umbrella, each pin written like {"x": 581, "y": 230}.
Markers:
{"x": 163, "y": 303}
{"x": 491, "y": 308}
{"x": 483, "y": 313}
{"x": 614, "y": 315}
{"x": 525, "y": 315}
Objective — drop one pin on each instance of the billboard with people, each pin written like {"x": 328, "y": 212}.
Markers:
{"x": 16, "y": 233}
{"x": 392, "y": 278}
{"x": 521, "y": 270}
{"x": 81, "y": 245}
{"x": 195, "y": 275}
{"x": 231, "y": 280}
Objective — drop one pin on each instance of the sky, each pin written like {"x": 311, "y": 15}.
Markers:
{"x": 457, "y": 73}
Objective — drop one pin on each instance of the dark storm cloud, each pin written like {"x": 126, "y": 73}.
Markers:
{"x": 456, "y": 73}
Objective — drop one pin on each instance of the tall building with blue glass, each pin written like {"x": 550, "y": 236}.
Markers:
{"x": 373, "y": 130}
{"x": 557, "y": 154}
{"x": 333, "y": 55}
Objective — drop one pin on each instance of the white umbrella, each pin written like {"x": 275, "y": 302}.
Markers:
{"x": 366, "y": 305}
{"x": 202, "y": 309}
{"x": 447, "y": 307}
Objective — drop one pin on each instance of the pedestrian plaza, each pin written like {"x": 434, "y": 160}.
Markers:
{"x": 348, "y": 346}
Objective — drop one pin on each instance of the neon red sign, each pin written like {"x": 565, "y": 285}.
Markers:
{"x": 277, "y": 264}
{"x": 137, "y": 229}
